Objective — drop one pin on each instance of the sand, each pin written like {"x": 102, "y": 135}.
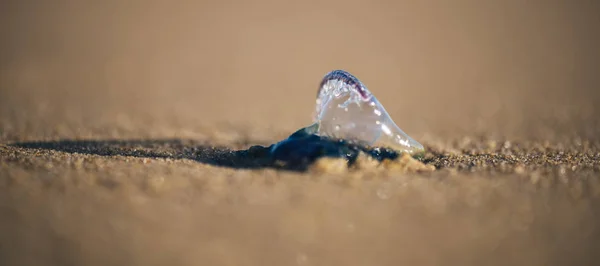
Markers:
{"x": 119, "y": 124}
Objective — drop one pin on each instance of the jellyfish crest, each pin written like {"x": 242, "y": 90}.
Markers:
{"x": 346, "y": 109}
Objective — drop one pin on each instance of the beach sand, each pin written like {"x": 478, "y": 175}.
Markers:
{"x": 117, "y": 122}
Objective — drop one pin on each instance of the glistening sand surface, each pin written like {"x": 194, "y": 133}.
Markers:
{"x": 116, "y": 120}
{"x": 88, "y": 208}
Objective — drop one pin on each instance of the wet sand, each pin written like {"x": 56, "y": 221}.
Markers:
{"x": 118, "y": 122}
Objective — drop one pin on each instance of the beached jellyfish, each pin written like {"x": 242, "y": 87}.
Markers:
{"x": 347, "y": 110}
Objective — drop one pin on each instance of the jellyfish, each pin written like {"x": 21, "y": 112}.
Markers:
{"x": 346, "y": 109}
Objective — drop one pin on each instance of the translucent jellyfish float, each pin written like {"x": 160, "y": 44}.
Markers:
{"x": 346, "y": 109}
{"x": 348, "y": 121}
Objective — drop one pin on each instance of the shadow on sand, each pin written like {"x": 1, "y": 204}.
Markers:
{"x": 297, "y": 152}
{"x": 252, "y": 158}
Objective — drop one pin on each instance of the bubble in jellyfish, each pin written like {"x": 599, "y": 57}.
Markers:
{"x": 346, "y": 109}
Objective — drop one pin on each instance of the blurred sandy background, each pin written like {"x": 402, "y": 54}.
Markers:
{"x": 439, "y": 67}
{"x": 236, "y": 73}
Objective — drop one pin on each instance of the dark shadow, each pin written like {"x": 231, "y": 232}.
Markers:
{"x": 297, "y": 152}
{"x": 255, "y": 157}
